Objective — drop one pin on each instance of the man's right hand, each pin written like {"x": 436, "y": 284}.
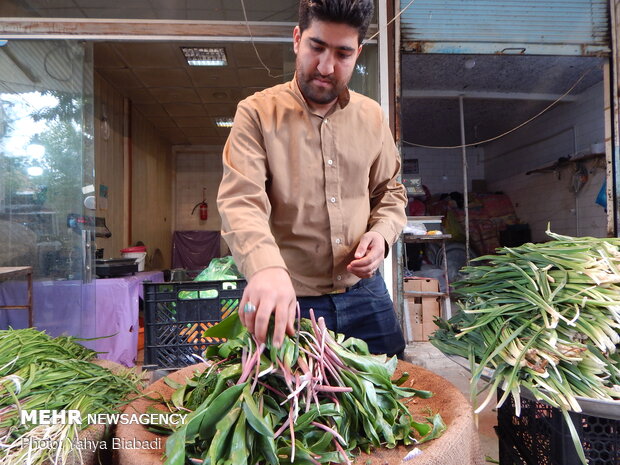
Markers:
{"x": 271, "y": 291}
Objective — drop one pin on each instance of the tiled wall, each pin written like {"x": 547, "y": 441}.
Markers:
{"x": 197, "y": 168}
{"x": 442, "y": 170}
{"x": 541, "y": 198}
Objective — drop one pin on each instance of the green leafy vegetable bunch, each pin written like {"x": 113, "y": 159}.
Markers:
{"x": 314, "y": 400}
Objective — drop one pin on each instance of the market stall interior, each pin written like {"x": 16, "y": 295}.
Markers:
{"x": 533, "y": 127}
{"x": 156, "y": 127}
{"x": 560, "y": 153}
{"x": 129, "y": 134}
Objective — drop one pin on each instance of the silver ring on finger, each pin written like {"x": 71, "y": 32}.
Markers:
{"x": 249, "y": 307}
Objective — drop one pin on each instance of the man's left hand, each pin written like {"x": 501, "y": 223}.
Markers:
{"x": 369, "y": 254}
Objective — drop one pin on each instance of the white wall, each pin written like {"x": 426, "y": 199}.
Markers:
{"x": 442, "y": 170}
{"x": 196, "y": 168}
{"x": 540, "y": 198}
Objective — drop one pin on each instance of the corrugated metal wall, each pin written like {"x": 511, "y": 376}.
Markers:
{"x": 557, "y": 27}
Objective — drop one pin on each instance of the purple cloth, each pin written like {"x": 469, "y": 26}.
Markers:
{"x": 57, "y": 307}
{"x": 117, "y": 312}
{"x": 193, "y": 250}
{"x": 58, "y": 310}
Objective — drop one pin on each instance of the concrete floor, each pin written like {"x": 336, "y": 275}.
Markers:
{"x": 427, "y": 356}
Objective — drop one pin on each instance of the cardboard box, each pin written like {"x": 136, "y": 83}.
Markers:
{"x": 420, "y": 311}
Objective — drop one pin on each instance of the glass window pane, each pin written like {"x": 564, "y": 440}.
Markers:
{"x": 46, "y": 152}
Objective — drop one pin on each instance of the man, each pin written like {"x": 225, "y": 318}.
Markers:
{"x": 309, "y": 198}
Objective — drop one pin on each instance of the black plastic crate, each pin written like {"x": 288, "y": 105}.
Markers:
{"x": 540, "y": 436}
{"x": 177, "y": 313}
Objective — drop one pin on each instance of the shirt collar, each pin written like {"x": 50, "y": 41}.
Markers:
{"x": 343, "y": 98}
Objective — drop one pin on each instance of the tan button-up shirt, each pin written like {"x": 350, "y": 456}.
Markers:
{"x": 299, "y": 190}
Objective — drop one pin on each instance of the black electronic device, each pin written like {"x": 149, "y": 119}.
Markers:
{"x": 115, "y": 267}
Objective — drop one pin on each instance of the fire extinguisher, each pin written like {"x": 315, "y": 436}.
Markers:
{"x": 203, "y": 211}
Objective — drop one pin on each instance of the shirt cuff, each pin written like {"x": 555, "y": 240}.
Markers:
{"x": 259, "y": 259}
{"x": 388, "y": 234}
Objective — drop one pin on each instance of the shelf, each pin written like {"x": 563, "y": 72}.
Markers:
{"x": 426, "y": 294}
{"x": 425, "y": 237}
{"x": 564, "y": 162}
{"x": 7, "y": 272}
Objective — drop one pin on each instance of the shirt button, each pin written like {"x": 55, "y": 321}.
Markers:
{"x": 326, "y": 121}
{"x": 333, "y": 200}
{"x": 330, "y": 162}
{"x": 338, "y": 241}
{"x": 339, "y": 277}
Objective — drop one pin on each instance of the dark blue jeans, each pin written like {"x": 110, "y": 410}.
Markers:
{"x": 365, "y": 311}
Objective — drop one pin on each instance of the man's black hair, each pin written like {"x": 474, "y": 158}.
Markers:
{"x": 354, "y": 13}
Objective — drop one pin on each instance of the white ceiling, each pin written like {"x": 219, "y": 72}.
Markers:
{"x": 181, "y": 101}
{"x": 500, "y": 92}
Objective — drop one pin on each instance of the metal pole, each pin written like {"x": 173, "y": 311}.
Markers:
{"x": 388, "y": 263}
{"x": 465, "y": 184}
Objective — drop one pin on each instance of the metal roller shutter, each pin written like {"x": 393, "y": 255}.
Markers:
{"x": 534, "y": 27}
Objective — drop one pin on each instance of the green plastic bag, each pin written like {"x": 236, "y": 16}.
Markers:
{"x": 220, "y": 269}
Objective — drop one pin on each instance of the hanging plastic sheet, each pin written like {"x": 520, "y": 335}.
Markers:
{"x": 601, "y": 198}
{"x": 194, "y": 250}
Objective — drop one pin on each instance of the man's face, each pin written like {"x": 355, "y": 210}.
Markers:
{"x": 326, "y": 56}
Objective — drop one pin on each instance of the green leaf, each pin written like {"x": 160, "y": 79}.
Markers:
{"x": 356, "y": 345}
{"x": 228, "y": 328}
{"x": 221, "y": 444}
{"x": 175, "y": 447}
{"x": 206, "y": 416}
{"x": 172, "y": 384}
{"x": 438, "y": 428}
{"x": 399, "y": 381}
{"x": 177, "y": 396}
{"x": 326, "y": 410}
{"x": 253, "y": 416}
{"x": 422, "y": 428}
{"x": 238, "y": 448}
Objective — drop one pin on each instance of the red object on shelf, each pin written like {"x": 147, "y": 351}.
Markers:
{"x": 136, "y": 249}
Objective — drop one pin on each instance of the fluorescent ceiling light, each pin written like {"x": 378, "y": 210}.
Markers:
{"x": 202, "y": 56}
{"x": 224, "y": 122}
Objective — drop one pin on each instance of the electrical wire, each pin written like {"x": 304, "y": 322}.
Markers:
{"x": 540, "y": 113}
{"x": 247, "y": 25}
{"x": 389, "y": 22}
